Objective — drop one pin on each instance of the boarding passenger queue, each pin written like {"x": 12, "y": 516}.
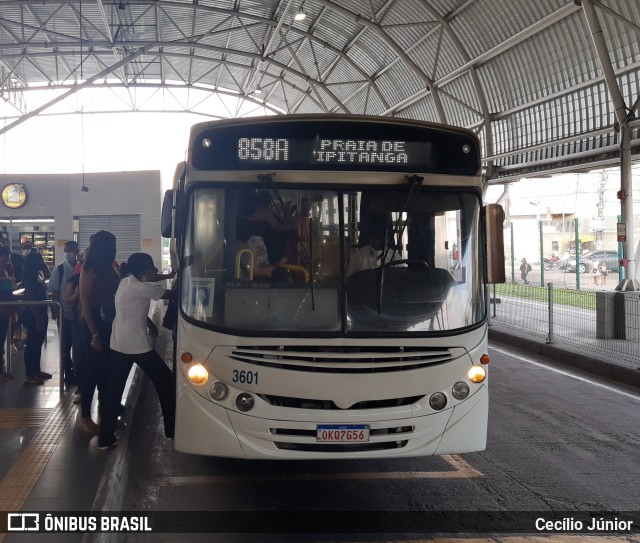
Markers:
{"x": 106, "y": 328}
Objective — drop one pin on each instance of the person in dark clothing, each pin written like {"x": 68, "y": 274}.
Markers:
{"x": 6, "y": 312}
{"x": 263, "y": 232}
{"x": 525, "y": 268}
{"x": 98, "y": 284}
{"x": 131, "y": 342}
{"x": 35, "y": 318}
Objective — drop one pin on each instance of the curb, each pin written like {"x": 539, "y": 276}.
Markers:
{"x": 567, "y": 356}
{"x": 110, "y": 493}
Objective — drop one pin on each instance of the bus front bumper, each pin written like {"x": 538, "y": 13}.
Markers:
{"x": 203, "y": 427}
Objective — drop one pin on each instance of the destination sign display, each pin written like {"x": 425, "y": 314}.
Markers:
{"x": 334, "y": 145}
{"x": 331, "y": 151}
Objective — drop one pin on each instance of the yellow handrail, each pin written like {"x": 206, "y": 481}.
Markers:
{"x": 294, "y": 267}
{"x": 251, "y": 259}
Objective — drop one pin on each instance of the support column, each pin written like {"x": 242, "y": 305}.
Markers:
{"x": 623, "y": 116}
{"x": 626, "y": 205}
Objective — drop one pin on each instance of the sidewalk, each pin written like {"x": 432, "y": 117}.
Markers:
{"x": 46, "y": 462}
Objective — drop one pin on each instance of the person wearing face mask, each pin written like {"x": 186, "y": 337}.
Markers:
{"x": 57, "y": 287}
{"x": 132, "y": 341}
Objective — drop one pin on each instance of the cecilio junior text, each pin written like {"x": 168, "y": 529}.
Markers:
{"x": 572, "y": 525}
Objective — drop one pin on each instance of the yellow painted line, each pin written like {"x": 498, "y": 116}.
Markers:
{"x": 462, "y": 470}
{"x": 24, "y": 473}
{"x": 22, "y": 417}
{"x": 461, "y": 465}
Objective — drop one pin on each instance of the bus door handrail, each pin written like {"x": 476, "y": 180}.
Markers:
{"x": 26, "y": 303}
{"x": 251, "y": 260}
{"x": 296, "y": 268}
{"x": 291, "y": 267}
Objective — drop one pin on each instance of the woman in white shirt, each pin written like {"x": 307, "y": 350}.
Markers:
{"x": 131, "y": 341}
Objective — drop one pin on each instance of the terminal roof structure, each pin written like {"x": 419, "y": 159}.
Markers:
{"x": 524, "y": 75}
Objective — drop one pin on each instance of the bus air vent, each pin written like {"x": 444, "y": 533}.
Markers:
{"x": 344, "y": 359}
{"x": 304, "y": 403}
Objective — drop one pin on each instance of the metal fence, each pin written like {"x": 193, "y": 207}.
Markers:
{"x": 601, "y": 323}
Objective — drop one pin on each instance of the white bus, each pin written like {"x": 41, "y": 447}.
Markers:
{"x": 332, "y": 288}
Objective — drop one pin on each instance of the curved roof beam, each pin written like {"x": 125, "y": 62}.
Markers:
{"x": 482, "y": 98}
{"x": 166, "y": 4}
{"x": 282, "y": 67}
{"x": 394, "y": 47}
{"x": 183, "y": 109}
{"x": 86, "y": 83}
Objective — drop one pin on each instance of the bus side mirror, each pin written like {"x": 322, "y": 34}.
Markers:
{"x": 173, "y": 215}
{"x": 493, "y": 216}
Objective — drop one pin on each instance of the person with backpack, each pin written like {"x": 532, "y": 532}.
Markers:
{"x": 525, "y": 268}
{"x": 58, "y": 289}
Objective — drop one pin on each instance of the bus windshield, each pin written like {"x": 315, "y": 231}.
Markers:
{"x": 358, "y": 260}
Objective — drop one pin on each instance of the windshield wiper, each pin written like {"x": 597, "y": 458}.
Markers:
{"x": 415, "y": 182}
{"x": 286, "y": 218}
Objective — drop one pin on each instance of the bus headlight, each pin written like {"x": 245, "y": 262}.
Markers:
{"x": 244, "y": 402}
{"x": 198, "y": 374}
{"x": 477, "y": 374}
{"x": 218, "y": 391}
{"x": 460, "y": 390}
{"x": 437, "y": 401}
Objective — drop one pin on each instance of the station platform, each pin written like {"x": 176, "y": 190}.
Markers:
{"x": 47, "y": 463}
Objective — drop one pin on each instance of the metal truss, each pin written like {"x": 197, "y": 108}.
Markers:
{"x": 500, "y": 68}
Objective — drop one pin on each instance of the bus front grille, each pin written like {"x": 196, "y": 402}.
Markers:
{"x": 343, "y": 359}
{"x": 305, "y": 403}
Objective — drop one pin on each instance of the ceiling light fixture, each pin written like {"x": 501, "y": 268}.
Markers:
{"x": 301, "y": 15}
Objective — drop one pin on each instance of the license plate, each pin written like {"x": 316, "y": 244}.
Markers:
{"x": 342, "y": 433}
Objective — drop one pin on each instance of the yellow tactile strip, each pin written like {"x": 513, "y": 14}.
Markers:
{"x": 23, "y": 475}
{"x": 22, "y": 417}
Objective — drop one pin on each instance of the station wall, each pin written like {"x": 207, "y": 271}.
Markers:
{"x": 59, "y": 196}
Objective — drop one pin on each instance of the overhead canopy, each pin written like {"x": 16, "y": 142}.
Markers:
{"x": 523, "y": 74}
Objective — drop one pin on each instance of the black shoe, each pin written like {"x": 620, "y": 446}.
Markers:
{"x": 43, "y": 375}
{"x": 108, "y": 445}
{"x": 33, "y": 380}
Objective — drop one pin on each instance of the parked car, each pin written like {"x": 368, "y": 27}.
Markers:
{"x": 611, "y": 258}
